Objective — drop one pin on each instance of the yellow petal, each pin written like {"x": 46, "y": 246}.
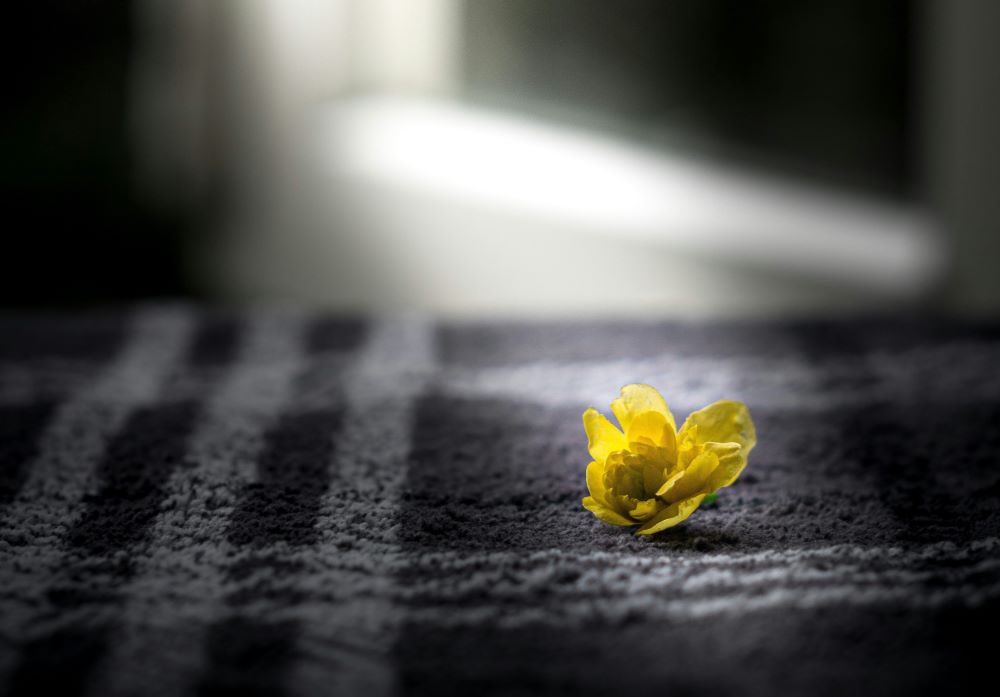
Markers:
{"x": 638, "y": 399}
{"x": 722, "y": 450}
{"x": 603, "y": 438}
{"x": 595, "y": 480}
{"x": 645, "y": 509}
{"x": 671, "y": 515}
{"x": 722, "y": 422}
{"x": 605, "y": 513}
{"x": 655, "y": 427}
{"x": 671, "y": 480}
{"x": 732, "y": 460}
{"x": 692, "y": 481}
{"x": 662, "y": 457}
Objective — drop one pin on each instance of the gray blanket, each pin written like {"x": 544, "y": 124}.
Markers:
{"x": 282, "y": 502}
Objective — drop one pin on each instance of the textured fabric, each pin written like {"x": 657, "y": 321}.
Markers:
{"x": 277, "y": 502}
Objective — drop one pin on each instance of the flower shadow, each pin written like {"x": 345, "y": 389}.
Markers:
{"x": 694, "y": 539}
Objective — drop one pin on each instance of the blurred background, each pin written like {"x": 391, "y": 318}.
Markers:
{"x": 551, "y": 158}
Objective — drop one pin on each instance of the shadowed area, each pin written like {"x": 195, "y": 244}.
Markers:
{"x": 20, "y": 431}
{"x": 59, "y": 663}
{"x": 293, "y": 473}
{"x": 248, "y": 658}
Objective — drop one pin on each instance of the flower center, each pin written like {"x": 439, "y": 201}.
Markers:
{"x": 633, "y": 475}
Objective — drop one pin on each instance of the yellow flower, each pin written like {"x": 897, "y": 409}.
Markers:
{"x": 649, "y": 473}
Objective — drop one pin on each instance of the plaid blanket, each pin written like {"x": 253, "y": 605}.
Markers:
{"x": 284, "y": 502}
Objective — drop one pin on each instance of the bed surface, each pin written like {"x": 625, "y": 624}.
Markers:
{"x": 201, "y": 502}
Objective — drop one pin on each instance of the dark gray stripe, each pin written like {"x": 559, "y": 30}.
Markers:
{"x": 335, "y": 334}
{"x": 904, "y": 448}
{"x": 60, "y": 663}
{"x": 21, "y": 427}
{"x": 491, "y": 475}
{"x": 248, "y": 657}
{"x": 216, "y": 341}
{"x": 292, "y": 476}
{"x": 132, "y": 476}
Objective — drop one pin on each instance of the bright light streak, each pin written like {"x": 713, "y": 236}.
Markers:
{"x": 463, "y": 154}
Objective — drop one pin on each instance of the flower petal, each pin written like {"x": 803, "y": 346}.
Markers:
{"x": 645, "y": 509}
{"x": 692, "y": 481}
{"x": 655, "y": 427}
{"x": 671, "y": 480}
{"x": 638, "y": 399}
{"x": 722, "y": 450}
{"x": 732, "y": 460}
{"x": 723, "y": 422}
{"x": 671, "y": 515}
{"x": 595, "y": 480}
{"x": 602, "y": 436}
{"x": 605, "y": 513}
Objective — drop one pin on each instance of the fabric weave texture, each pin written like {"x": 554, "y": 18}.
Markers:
{"x": 283, "y": 502}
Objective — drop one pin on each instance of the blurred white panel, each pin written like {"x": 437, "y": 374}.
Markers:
{"x": 459, "y": 154}
{"x": 406, "y": 45}
{"x": 437, "y": 206}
